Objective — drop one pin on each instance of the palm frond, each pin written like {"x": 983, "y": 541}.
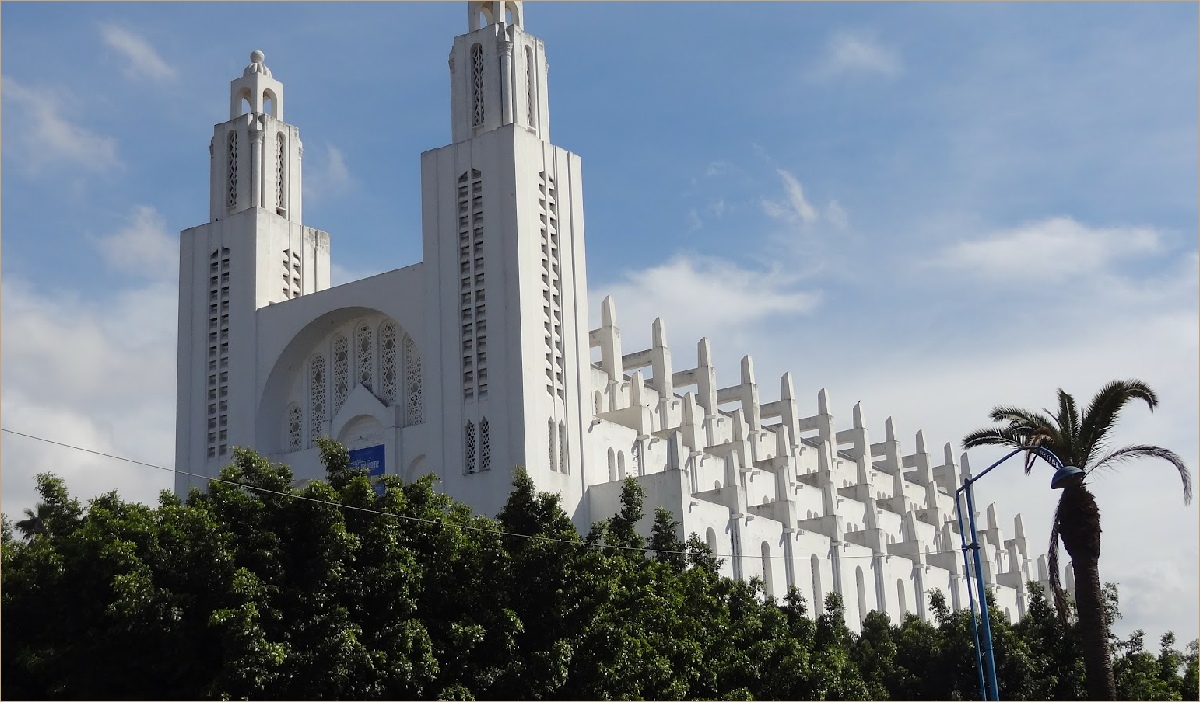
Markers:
{"x": 1068, "y": 417}
{"x": 992, "y": 436}
{"x": 1056, "y": 589}
{"x": 1146, "y": 451}
{"x": 1101, "y": 414}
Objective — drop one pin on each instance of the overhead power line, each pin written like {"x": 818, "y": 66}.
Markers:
{"x": 368, "y": 510}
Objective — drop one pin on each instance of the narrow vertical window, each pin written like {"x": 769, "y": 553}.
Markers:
{"x": 413, "y": 404}
{"x": 366, "y": 356}
{"x": 553, "y": 453}
{"x": 768, "y": 584}
{"x": 477, "y": 83}
{"x": 485, "y": 446}
{"x": 469, "y": 453}
{"x": 280, "y": 161}
{"x": 233, "y": 170}
{"x": 316, "y": 396}
{"x": 562, "y": 447}
{"x": 295, "y": 427}
{"x": 529, "y": 87}
{"x": 341, "y": 372}
{"x": 388, "y": 379}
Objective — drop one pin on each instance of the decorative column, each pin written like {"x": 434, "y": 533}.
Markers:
{"x": 505, "y": 50}
{"x": 257, "y": 135}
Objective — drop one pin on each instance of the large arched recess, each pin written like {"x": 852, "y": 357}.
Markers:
{"x": 272, "y": 402}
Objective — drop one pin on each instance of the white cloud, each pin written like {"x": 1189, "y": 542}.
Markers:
{"x": 1059, "y": 247}
{"x": 849, "y": 54}
{"x": 97, "y": 373}
{"x": 142, "y": 60}
{"x": 45, "y": 137}
{"x": 143, "y": 246}
{"x": 703, "y": 297}
{"x": 794, "y": 208}
{"x": 328, "y": 176}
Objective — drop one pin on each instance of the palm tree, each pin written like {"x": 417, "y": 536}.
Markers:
{"x": 1081, "y": 442}
{"x": 34, "y": 523}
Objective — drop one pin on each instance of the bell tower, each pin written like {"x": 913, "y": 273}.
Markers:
{"x": 502, "y": 220}
{"x": 497, "y": 74}
{"x": 252, "y": 252}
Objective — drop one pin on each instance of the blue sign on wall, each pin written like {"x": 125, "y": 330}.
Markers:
{"x": 370, "y": 458}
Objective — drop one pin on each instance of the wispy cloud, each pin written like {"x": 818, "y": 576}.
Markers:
{"x": 794, "y": 207}
{"x": 850, "y": 54}
{"x": 328, "y": 176}
{"x": 1060, "y": 246}
{"x": 143, "y": 246}
{"x": 141, "y": 59}
{"x": 44, "y": 136}
{"x": 703, "y": 296}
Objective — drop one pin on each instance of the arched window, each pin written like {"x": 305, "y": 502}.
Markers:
{"x": 919, "y": 593}
{"x": 414, "y": 403}
{"x": 563, "y": 463}
{"x": 365, "y": 344}
{"x": 620, "y": 465}
{"x": 900, "y": 598}
{"x": 710, "y": 537}
{"x": 485, "y": 446}
{"x": 268, "y": 101}
{"x": 388, "y": 352}
{"x": 469, "y": 451}
{"x": 529, "y": 88}
{"x": 295, "y": 427}
{"x": 477, "y": 84}
{"x": 768, "y": 583}
{"x": 232, "y": 199}
{"x": 612, "y": 465}
{"x": 316, "y": 396}
{"x": 280, "y": 181}
{"x": 341, "y": 372}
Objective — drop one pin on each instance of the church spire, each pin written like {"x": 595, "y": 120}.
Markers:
{"x": 497, "y": 73}
{"x": 255, "y": 156}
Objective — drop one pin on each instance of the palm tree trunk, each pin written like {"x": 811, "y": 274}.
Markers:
{"x": 1093, "y": 629}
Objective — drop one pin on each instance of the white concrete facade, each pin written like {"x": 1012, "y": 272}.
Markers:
{"x": 478, "y": 359}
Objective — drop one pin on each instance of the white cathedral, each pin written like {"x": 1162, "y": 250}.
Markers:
{"x": 479, "y": 359}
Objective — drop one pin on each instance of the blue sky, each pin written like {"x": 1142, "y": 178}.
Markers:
{"x": 931, "y": 208}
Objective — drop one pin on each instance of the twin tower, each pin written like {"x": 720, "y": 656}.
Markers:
{"x": 465, "y": 364}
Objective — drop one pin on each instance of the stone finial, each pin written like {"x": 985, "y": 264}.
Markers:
{"x": 786, "y": 392}
{"x": 608, "y": 312}
{"x": 920, "y": 441}
{"x": 1019, "y": 527}
{"x": 889, "y": 430}
{"x": 948, "y": 453}
{"x": 658, "y": 332}
{"x": 823, "y": 402}
{"x": 858, "y": 418}
{"x": 991, "y": 516}
{"x": 704, "y": 353}
{"x": 256, "y": 64}
{"x": 747, "y": 370}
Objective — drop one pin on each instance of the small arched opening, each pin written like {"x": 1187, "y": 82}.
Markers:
{"x": 900, "y": 598}
{"x": 818, "y": 595}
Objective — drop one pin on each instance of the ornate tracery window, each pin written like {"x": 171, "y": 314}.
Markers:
{"x": 366, "y": 356}
{"x": 485, "y": 446}
{"x": 233, "y": 170}
{"x": 469, "y": 453}
{"x": 413, "y": 401}
{"x": 295, "y": 427}
{"x": 280, "y": 162}
{"x": 477, "y": 84}
{"x": 341, "y": 372}
{"x": 388, "y": 362}
{"x": 316, "y": 396}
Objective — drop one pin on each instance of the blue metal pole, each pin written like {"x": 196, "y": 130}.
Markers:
{"x": 958, "y": 500}
{"x": 988, "y": 660}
